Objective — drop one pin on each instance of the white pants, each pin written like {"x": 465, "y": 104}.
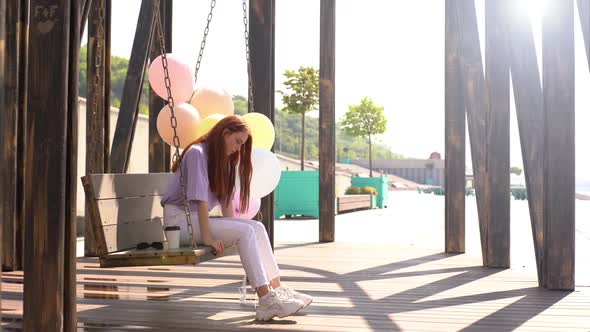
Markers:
{"x": 249, "y": 236}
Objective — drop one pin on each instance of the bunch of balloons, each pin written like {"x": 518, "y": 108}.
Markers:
{"x": 198, "y": 110}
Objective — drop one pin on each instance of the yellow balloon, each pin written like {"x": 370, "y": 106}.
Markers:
{"x": 262, "y": 129}
{"x": 207, "y": 123}
{"x": 212, "y": 101}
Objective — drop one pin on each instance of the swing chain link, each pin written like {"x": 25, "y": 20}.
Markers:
{"x": 98, "y": 65}
{"x": 248, "y": 64}
{"x": 173, "y": 121}
{"x": 205, "y": 33}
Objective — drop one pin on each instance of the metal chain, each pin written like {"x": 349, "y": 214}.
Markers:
{"x": 249, "y": 66}
{"x": 98, "y": 65}
{"x": 173, "y": 121}
{"x": 205, "y": 33}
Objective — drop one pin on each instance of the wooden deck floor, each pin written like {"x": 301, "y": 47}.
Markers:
{"x": 357, "y": 287}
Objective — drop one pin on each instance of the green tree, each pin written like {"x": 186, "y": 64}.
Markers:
{"x": 302, "y": 96}
{"x": 364, "y": 120}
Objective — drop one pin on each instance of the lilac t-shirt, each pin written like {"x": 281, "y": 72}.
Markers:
{"x": 194, "y": 168}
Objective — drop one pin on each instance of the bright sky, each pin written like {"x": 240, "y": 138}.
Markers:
{"x": 390, "y": 51}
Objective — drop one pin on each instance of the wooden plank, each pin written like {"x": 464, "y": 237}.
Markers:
{"x": 327, "y": 121}
{"x": 70, "y": 229}
{"x": 159, "y": 151}
{"x": 559, "y": 101}
{"x": 3, "y": 66}
{"x": 454, "y": 134}
{"x": 125, "y": 129}
{"x": 528, "y": 99}
{"x": 584, "y": 12}
{"x": 109, "y": 186}
{"x": 496, "y": 252}
{"x": 262, "y": 57}
{"x": 124, "y": 236}
{"x": 45, "y": 157}
{"x": 94, "y": 215}
{"x": 10, "y": 129}
{"x": 134, "y": 209}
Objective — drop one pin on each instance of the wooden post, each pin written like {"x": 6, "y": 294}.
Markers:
{"x": 476, "y": 105}
{"x": 261, "y": 30}
{"x": 46, "y": 184}
{"x": 327, "y": 138}
{"x": 98, "y": 102}
{"x": 10, "y": 129}
{"x": 584, "y": 12}
{"x": 559, "y": 101}
{"x": 454, "y": 135}
{"x": 3, "y": 66}
{"x": 496, "y": 251}
{"x": 125, "y": 129}
{"x": 528, "y": 99}
{"x": 159, "y": 151}
{"x": 72, "y": 179}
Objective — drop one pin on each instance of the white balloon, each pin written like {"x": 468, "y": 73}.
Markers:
{"x": 266, "y": 172}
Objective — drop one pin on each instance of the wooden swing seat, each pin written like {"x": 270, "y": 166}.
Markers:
{"x": 124, "y": 211}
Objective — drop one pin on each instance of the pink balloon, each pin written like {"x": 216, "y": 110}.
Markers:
{"x": 187, "y": 124}
{"x": 251, "y": 211}
{"x": 181, "y": 78}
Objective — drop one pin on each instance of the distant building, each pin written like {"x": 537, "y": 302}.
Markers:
{"x": 423, "y": 171}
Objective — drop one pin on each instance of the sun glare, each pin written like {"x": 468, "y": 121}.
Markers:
{"x": 534, "y": 8}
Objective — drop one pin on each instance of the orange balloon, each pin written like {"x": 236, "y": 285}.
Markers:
{"x": 187, "y": 124}
{"x": 212, "y": 101}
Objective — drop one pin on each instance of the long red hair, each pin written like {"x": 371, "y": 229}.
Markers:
{"x": 222, "y": 168}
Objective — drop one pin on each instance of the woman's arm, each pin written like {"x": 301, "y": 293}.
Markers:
{"x": 203, "y": 214}
{"x": 227, "y": 211}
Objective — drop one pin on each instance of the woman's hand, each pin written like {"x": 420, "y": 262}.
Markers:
{"x": 217, "y": 245}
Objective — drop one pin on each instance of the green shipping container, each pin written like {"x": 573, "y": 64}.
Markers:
{"x": 380, "y": 183}
{"x": 298, "y": 193}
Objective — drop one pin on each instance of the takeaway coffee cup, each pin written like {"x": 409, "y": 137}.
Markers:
{"x": 172, "y": 236}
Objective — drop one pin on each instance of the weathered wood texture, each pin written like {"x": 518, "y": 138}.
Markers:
{"x": 98, "y": 101}
{"x": 125, "y": 129}
{"x": 496, "y": 245}
{"x": 327, "y": 133}
{"x": 559, "y": 101}
{"x": 70, "y": 231}
{"x": 584, "y": 13}
{"x": 528, "y": 99}
{"x": 3, "y": 65}
{"x": 352, "y": 202}
{"x": 159, "y": 151}
{"x": 454, "y": 134}
{"x": 11, "y": 125}
{"x": 261, "y": 40}
{"x": 46, "y": 184}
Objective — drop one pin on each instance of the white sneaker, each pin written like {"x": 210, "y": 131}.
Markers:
{"x": 273, "y": 305}
{"x": 286, "y": 292}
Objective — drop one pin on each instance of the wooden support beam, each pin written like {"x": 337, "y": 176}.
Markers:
{"x": 476, "y": 106}
{"x": 559, "y": 101}
{"x": 125, "y": 129}
{"x": 98, "y": 101}
{"x": 10, "y": 130}
{"x": 327, "y": 135}
{"x": 70, "y": 230}
{"x": 84, "y": 11}
{"x": 584, "y": 12}
{"x": 159, "y": 151}
{"x": 454, "y": 134}
{"x": 496, "y": 251}
{"x": 3, "y": 65}
{"x": 261, "y": 30}
{"x": 528, "y": 98}
{"x": 46, "y": 184}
